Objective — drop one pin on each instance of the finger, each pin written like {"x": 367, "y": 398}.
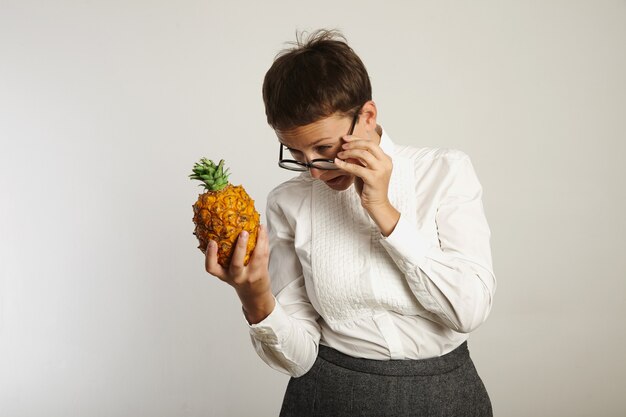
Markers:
{"x": 350, "y": 138}
{"x": 358, "y": 170}
{"x": 236, "y": 261}
{"x": 260, "y": 255}
{"x": 384, "y": 161}
{"x": 372, "y": 147}
{"x": 210, "y": 262}
{"x": 362, "y": 155}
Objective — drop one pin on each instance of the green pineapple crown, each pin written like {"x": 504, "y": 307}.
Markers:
{"x": 213, "y": 177}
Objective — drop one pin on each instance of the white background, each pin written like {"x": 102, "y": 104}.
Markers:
{"x": 105, "y": 307}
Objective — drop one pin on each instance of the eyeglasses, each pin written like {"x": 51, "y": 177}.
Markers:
{"x": 324, "y": 164}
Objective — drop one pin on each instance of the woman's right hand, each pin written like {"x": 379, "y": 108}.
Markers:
{"x": 252, "y": 281}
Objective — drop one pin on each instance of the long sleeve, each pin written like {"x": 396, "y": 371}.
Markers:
{"x": 288, "y": 339}
{"x": 454, "y": 280}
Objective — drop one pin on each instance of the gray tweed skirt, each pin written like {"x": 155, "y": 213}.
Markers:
{"x": 340, "y": 385}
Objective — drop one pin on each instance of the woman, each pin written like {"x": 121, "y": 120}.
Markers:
{"x": 376, "y": 263}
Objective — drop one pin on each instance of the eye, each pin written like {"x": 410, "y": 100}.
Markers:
{"x": 295, "y": 154}
{"x": 324, "y": 148}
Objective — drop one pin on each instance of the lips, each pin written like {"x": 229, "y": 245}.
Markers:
{"x": 335, "y": 180}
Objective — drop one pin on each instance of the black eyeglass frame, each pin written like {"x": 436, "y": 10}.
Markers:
{"x": 308, "y": 165}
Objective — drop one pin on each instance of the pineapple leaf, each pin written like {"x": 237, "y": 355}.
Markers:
{"x": 213, "y": 177}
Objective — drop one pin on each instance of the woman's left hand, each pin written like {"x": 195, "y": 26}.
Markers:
{"x": 371, "y": 167}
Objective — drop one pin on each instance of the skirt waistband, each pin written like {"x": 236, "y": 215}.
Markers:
{"x": 394, "y": 367}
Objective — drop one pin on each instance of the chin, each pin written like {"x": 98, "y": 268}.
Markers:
{"x": 341, "y": 183}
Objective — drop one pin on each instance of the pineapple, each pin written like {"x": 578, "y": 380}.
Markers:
{"x": 222, "y": 211}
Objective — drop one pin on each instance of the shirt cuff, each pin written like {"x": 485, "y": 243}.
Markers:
{"x": 272, "y": 329}
{"x": 406, "y": 245}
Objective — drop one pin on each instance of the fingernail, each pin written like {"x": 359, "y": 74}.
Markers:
{"x": 244, "y": 234}
{"x": 211, "y": 244}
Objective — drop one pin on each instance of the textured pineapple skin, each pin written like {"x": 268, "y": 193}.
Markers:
{"x": 221, "y": 216}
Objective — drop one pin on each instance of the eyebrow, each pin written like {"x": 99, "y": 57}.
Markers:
{"x": 313, "y": 144}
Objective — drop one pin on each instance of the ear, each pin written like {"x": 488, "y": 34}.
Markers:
{"x": 368, "y": 115}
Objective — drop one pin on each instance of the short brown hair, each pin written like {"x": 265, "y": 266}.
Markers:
{"x": 318, "y": 77}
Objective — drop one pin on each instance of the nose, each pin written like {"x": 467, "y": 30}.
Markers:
{"x": 316, "y": 173}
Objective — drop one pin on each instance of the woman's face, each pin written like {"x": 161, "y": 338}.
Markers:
{"x": 320, "y": 140}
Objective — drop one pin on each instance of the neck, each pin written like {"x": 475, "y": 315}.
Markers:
{"x": 376, "y": 134}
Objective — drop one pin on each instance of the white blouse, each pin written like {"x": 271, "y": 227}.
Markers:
{"x": 337, "y": 281}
